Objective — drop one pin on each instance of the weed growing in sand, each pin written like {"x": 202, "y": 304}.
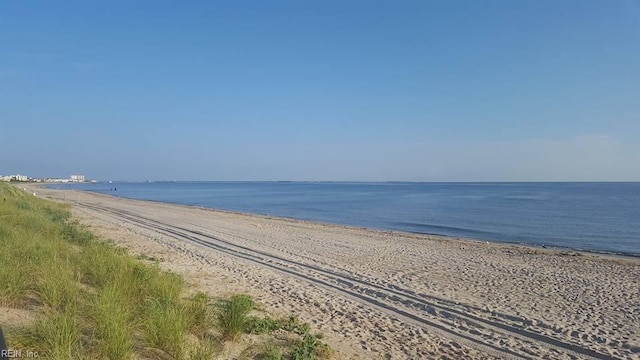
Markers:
{"x": 206, "y": 349}
{"x": 233, "y": 318}
{"x": 199, "y": 316}
{"x": 267, "y": 325}
{"x": 310, "y": 347}
{"x": 271, "y": 352}
{"x": 148, "y": 258}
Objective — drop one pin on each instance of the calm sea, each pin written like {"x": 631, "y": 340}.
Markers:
{"x": 588, "y": 216}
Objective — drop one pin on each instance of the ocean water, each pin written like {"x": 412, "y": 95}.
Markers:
{"x": 603, "y": 217}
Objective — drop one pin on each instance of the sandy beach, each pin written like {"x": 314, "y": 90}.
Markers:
{"x": 381, "y": 294}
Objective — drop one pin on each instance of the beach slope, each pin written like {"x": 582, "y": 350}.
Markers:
{"x": 378, "y": 294}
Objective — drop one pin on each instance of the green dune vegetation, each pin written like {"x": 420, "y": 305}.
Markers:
{"x": 90, "y": 299}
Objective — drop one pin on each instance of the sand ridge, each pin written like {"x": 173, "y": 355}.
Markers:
{"x": 380, "y": 294}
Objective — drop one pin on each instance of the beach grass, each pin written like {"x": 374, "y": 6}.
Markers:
{"x": 93, "y": 300}
{"x": 233, "y": 318}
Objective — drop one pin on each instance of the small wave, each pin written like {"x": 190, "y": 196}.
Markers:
{"x": 444, "y": 230}
{"x": 451, "y": 231}
{"x": 524, "y": 198}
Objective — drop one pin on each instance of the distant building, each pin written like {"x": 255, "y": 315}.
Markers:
{"x": 77, "y": 178}
{"x": 56, "y": 180}
{"x": 16, "y": 177}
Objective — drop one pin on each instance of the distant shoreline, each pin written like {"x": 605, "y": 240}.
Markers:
{"x": 343, "y": 182}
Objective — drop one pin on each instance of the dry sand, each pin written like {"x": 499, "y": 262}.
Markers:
{"x": 379, "y": 294}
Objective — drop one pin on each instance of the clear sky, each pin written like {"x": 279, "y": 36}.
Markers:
{"x": 321, "y": 90}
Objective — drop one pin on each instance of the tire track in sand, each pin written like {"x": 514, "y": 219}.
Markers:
{"x": 431, "y": 314}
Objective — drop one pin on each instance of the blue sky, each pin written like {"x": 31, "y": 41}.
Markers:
{"x": 321, "y": 90}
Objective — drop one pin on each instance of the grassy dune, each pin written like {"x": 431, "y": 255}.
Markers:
{"x": 93, "y": 300}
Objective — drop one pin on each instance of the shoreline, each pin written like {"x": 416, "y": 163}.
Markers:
{"x": 67, "y": 288}
{"x": 376, "y": 293}
{"x": 552, "y": 248}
